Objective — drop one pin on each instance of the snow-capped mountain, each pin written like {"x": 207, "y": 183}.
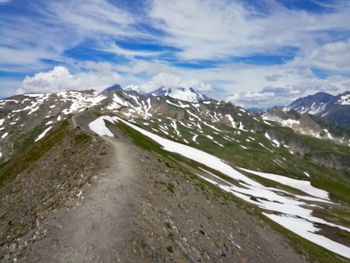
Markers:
{"x": 114, "y": 87}
{"x": 185, "y": 94}
{"x": 313, "y": 104}
{"x": 335, "y": 109}
{"x": 134, "y": 88}
{"x": 308, "y": 124}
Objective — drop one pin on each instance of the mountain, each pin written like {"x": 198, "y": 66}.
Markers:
{"x": 121, "y": 176}
{"x": 185, "y": 94}
{"x": 309, "y": 125}
{"x": 114, "y": 87}
{"x": 257, "y": 111}
{"x": 134, "y": 88}
{"x": 335, "y": 109}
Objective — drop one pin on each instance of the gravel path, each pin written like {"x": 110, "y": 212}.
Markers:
{"x": 98, "y": 229}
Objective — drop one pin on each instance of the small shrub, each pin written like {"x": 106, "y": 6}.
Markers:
{"x": 168, "y": 225}
{"x": 171, "y": 187}
{"x": 170, "y": 249}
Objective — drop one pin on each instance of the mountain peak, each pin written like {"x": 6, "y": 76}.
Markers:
{"x": 114, "y": 87}
{"x": 181, "y": 93}
{"x": 330, "y": 108}
{"x": 134, "y": 88}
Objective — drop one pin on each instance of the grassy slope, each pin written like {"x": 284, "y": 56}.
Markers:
{"x": 277, "y": 160}
{"x": 316, "y": 253}
{"x": 28, "y": 152}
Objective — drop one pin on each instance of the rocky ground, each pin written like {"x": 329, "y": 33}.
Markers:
{"x": 39, "y": 181}
{"x": 122, "y": 203}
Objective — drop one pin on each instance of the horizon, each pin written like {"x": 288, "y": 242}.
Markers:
{"x": 252, "y": 109}
{"x": 251, "y": 53}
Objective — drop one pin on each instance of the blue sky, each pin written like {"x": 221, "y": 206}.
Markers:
{"x": 253, "y": 53}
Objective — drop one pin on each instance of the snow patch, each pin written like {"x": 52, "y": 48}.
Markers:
{"x": 304, "y": 186}
{"x": 99, "y": 126}
{"x": 344, "y": 100}
{"x": 80, "y": 101}
{"x": 4, "y": 135}
{"x": 307, "y": 230}
{"x": 42, "y": 135}
{"x": 180, "y": 105}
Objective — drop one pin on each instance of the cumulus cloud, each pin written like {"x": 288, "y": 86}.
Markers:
{"x": 279, "y": 96}
{"x": 60, "y": 79}
{"x": 167, "y": 80}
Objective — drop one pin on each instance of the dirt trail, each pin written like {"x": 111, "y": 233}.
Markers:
{"x": 98, "y": 229}
{"x": 144, "y": 209}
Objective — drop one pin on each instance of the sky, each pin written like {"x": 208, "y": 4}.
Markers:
{"x": 254, "y": 53}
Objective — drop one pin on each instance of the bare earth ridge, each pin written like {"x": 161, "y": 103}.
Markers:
{"x": 130, "y": 214}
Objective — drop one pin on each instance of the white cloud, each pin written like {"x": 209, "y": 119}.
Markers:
{"x": 333, "y": 56}
{"x": 22, "y": 56}
{"x": 209, "y": 29}
{"x": 172, "y": 81}
{"x": 112, "y": 47}
{"x": 143, "y": 66}
{"x": 285, "y": 94}
{"x": 264, "y": 98}
{"x": 93, "y": 16}
{"x": 58, "y": 27}
{"x": 60, "y": 79}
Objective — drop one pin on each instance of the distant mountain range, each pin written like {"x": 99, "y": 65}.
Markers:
{"x": 185, "y": 94}
{"x": 180, "y": 93}
{"x": 320, "y": 115}
{"x": 334, "y": 109}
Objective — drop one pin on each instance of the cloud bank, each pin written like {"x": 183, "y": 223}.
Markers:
{"x": 60, "y": 79}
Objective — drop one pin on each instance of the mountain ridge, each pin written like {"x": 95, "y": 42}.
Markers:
{"x": 335, "y": 109}
{"x": 219, "y": 147}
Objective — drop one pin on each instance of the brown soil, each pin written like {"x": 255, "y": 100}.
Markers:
{"x": 140, "y": 208}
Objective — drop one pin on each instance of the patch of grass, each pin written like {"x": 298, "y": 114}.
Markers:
{"x": 167, "y": 225}
{"x": 335, "y": 188}
{"x": 170, "y": 187}
{"x": 82, "y": 137}
{"x": 170, "y": 249}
